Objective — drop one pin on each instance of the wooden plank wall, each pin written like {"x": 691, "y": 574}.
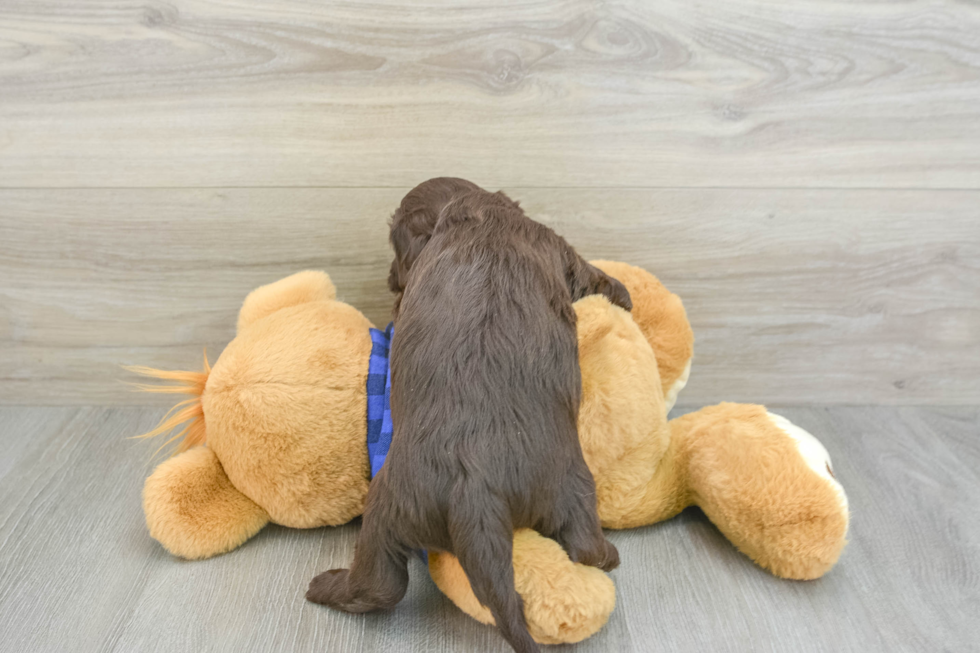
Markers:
{"x": 805, "y": 175}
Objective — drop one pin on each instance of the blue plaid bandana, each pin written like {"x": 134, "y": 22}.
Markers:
{"x": 379, "y": 404}
{"x": 379, "y": 398}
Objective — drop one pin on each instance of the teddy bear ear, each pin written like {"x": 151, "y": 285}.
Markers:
{"x": 300, "y": 288}
{"x": 661, "y": 317}
{"x": 194, "y": 511}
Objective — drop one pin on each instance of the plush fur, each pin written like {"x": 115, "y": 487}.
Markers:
{"x": 271, "y": 438}
{"x": 551, "y": 586}
{"x": 195, "y": 510}
{"x": 301, "y": 288}
{"x": 284, "y": 411}
{"x": 747, "y": 475}
{"x": 661, "y": 317}
{"x": 750, "y": 472}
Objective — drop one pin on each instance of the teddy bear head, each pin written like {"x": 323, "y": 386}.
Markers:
{"x": 284, "y": 410}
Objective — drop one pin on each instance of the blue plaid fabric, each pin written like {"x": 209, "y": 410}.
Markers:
{"x": 379, "y": 398}
{"x": 379, "y": 404}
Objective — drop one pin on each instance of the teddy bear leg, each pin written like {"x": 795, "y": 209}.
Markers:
{"x": 484, "y": 551}
{"x": 768, "y": 485}
{"x": 564, "y": 602}
{"x": 194, "y": 511}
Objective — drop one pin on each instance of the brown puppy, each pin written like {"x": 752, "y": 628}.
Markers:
{"x": 485, "y": 389}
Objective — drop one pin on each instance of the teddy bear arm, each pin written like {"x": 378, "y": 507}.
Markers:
{"x": 564, "y": 602}
{"x": 296, "y": 289}
{"x": 767, "y": 485}
{"x": 194, "y": 511}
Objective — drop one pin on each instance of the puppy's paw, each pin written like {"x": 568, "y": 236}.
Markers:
{"x": 616, "y": 293}
{"x": 329, "y": 588}
{"x": 610, "y": 557}
{"x": 601, "y": 554}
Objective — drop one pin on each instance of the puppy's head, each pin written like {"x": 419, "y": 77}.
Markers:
{"x": 415, "y": 219}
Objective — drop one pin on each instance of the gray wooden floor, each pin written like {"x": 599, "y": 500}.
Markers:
{"x": 78, "y": 571}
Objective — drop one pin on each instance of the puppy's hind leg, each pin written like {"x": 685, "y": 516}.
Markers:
{"x": 576, "y": 523}
{"x": 377, "y": 579}
{"x": 482, "y": 537}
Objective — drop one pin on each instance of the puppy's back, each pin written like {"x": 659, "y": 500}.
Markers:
{"x": 485, "y": 360}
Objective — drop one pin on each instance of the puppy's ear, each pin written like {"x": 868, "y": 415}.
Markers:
{"x": 408, "y": 238}
{"x": 393, "y": 284}
{"x": 501, "y": 194}
{"x": 414, "y": 221}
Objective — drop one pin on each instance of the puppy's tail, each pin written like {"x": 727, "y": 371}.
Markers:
{"x": 189, "y": 412}
{"x": 483, "y": 539}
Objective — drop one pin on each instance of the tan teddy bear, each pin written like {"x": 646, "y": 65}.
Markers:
{"x": 277, "y": 432}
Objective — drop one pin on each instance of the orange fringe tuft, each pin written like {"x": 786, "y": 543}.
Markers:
{"x": 188, "y": 412}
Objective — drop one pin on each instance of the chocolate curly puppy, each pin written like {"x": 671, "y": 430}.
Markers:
{"x": 485, "y": 389}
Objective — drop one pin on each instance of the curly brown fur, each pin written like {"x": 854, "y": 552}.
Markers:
{"x": 415, "y": 220}
{"x": 485, "y": 390}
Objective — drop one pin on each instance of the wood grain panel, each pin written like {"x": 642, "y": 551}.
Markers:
{"x": 796, "y": 296}
{"x": 549, "y": 93}
{"x": 78, "y": 572}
